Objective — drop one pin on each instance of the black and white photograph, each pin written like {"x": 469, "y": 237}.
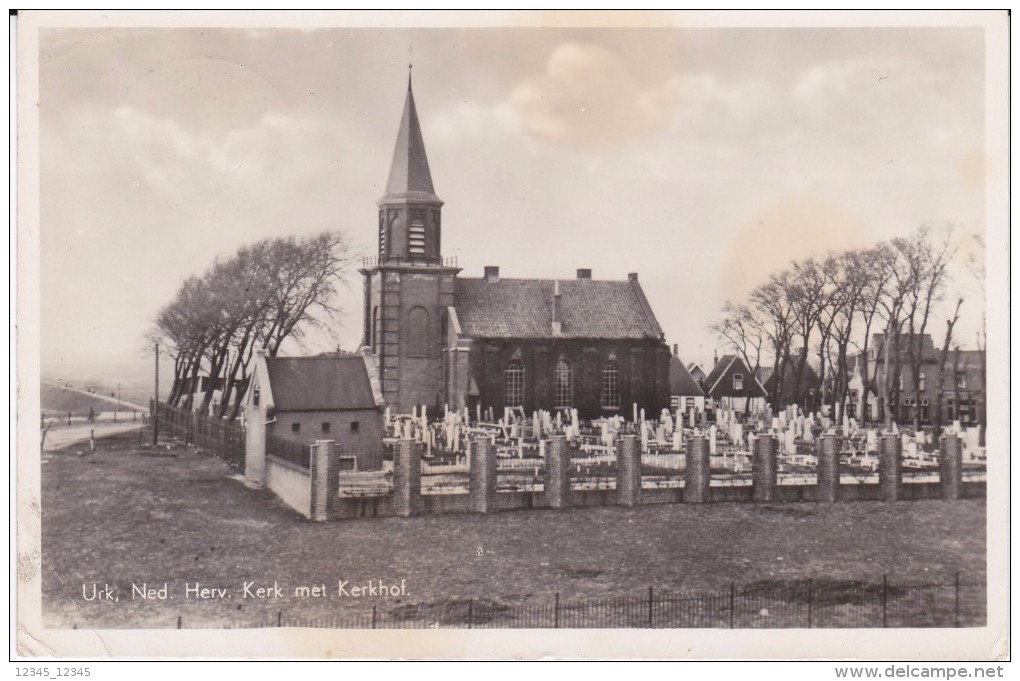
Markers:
{"x": 513, "y": 335}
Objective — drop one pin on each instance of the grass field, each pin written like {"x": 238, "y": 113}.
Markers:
{"x": 125, "y": 515}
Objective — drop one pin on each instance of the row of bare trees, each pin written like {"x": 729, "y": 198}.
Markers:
{"x": 267, "y": 292}
{"x": 835, "y": 307}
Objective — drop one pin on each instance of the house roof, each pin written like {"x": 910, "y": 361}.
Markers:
{"x": 410, "y": 177}
{"x": 323, "y": 383}
{"x": 809, "y": 379}
{"x": 901, "y": 343}
{"x": 964, "y": 359}
{"x": 718, "y": 370}
{"x": 723, "y": 367}
{"x": 681, "y": 383}
{"x": 522, "y": 308}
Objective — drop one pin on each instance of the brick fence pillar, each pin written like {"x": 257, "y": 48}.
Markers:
{"x": 764, "y": 468}
{"x": 697, "y": 474}
{"x": 557, "y": 472}
{"x": 407, "y": 479}
{"x": 890, "y": 466}
{"x": 483, "y": 475}
{"x": 828, "y": 468}
{"x": 951, "y": 466}
{"x": 324, "y": 479}
{"x": 628, "y": 471}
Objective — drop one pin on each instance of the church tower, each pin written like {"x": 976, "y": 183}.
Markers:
{"x": 408, "y": 285}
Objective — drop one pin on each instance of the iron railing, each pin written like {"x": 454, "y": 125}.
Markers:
{"x": 225, "y": 438}
{"x": 777, "y": 604}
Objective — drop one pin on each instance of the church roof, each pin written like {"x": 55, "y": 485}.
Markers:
{"x": 681, "y": 383}
{"x": 323, "y": 383}
{"x": 522, "y": 308}
{"x": 410, "y": 177}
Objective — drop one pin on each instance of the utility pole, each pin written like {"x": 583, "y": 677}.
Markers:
{"x": 155, "y": 404}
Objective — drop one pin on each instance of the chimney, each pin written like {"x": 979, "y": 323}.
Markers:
{"x": 676, "y": 350}
{"x": 584, "y": 274}
{"x": 557, "y": 328}
{"x": 491, "y": 273}
{"x": 632, "y": 276}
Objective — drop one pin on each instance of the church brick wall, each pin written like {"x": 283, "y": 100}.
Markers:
{"x": 643, "y": 367}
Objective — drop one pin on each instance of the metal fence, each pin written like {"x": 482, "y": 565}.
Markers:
{"x": 592, "y": 466}
{"x": 222, "y": 437}
{"x": 445, "y": 473}
{"x": 805, "y": 603}
{"x": 297, "y": 453}
{"x": 520, "y": 467}
{"x": 663, "y": 468}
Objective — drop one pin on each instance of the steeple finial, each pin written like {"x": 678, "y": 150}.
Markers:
{"x": 410, "y": 65}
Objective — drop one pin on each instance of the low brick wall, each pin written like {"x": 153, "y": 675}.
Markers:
{"x": 433, "y": 504}
{"x": 301, "y": 488}
{"x": 290, "y": 482}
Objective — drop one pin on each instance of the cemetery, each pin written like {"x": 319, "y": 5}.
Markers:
{"x": 484, "y": 462}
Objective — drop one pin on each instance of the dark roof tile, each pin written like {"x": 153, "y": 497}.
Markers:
{"x": 320, "y": 383}
{"x": 522, "y": 308}
{"x": 681, "y": 383}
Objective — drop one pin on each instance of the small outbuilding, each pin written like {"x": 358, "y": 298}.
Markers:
{"x": 293, "y": 402}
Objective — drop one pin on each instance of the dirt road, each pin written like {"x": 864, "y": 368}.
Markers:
{"x": 58, "y": 438}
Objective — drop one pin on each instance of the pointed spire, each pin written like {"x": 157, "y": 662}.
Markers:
{"x": 410, "y": 177}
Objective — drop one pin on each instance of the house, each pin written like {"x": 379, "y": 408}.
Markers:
{"x": 685, "y": 393}
{"x": 732, "y": 385}
{"x": 303, "y": 400}
{"x": 962, "y": 391}
{"x": 493, "y": 342}
{"x": 806, "y": 395}
{"x": 697, "y": 373}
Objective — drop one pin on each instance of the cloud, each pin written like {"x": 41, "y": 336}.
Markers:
{"x": 789, "y": 228}
{"x": 587, "y": 98}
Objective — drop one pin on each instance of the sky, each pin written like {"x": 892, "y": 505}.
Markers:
{"x": 701, "y": 158}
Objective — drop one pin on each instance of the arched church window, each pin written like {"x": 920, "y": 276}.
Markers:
{"x": 563, "y": 396}
{"x": 514, "y": 383}
{"x": 610, "y": 385}
{"x": 418, "y": 332}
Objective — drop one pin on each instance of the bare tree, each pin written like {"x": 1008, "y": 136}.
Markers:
{"x": 745, "y": 331}
{"x": 976, "y": 269}
{"x": 943, "y": 368}
{"x": 851, "y": 274}
{"x": 879, "y": 266}
{"x": 266, "y": 293}
{"x": 806, "y": 293}
{"x": 771, "y": 305}
{"x": 924, "y": 259}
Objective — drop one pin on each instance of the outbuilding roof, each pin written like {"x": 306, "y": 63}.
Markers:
{"x": 322, "y": 383}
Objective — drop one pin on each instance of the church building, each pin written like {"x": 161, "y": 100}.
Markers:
{"x": 439, "y": 338}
